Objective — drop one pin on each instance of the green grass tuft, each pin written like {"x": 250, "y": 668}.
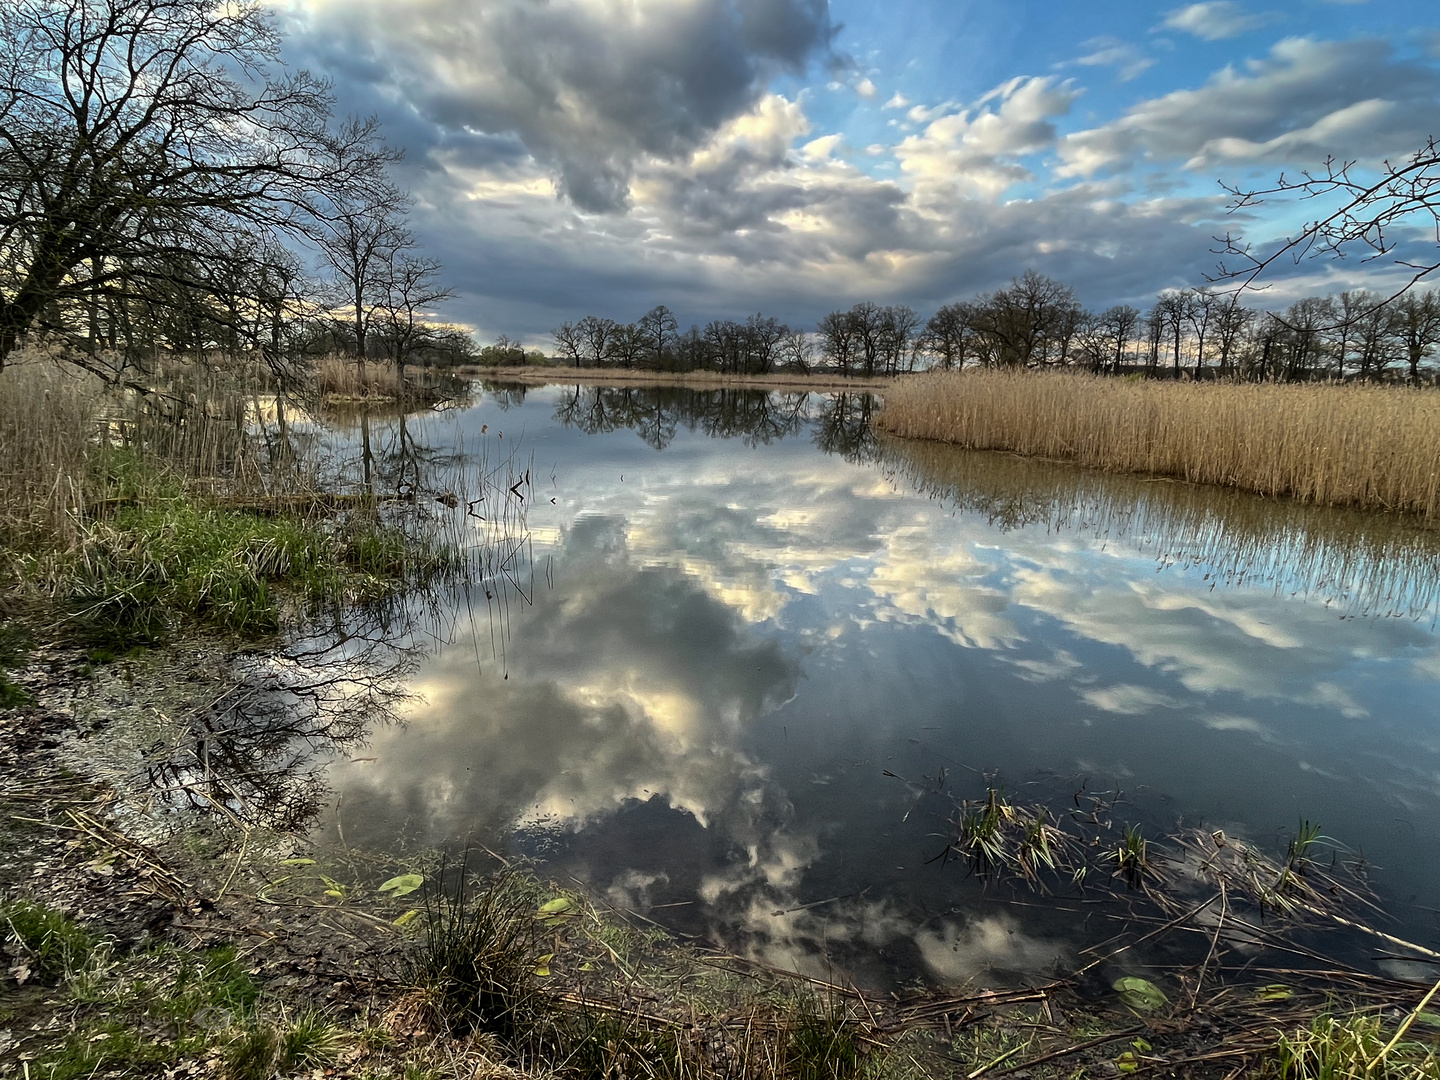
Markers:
{"x": 823, "y": 1044}
{"x": 55, "y": 943}
{"x": 476, "y": 963}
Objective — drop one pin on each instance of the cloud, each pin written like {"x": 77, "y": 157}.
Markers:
{"x": 866, "y": 89}
{"x": 1129, "y": 61}
{"x": 1307, "y": 99}
{"x": 586, "y": 89}
{"x": 897, "y": 101}
{"x": 974, "y": 150}
{"x": 1129, "y": 700}
{"x": 1215, "y": 20}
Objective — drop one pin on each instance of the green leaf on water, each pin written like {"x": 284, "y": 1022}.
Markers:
{"x": 403, "y": 885}
{"x": 1274, "y": 992}
{"x": 1140, "y": 994}
{"x": 558, "y": 906}
{"x": 542, "y": 965}
{"x": 1127, "y": 1062}
{"x": 297, "y": 862}
{"x": 409, "y": 917}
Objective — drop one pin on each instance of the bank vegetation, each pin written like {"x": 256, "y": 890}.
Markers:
{"x": 1364, "y": 446}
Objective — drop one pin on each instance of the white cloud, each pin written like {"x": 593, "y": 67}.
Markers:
{"x": 897, "y": 101}
{"x": 866, "y": 89}
{"x": 974, "y": 150}
{"x": 1129, "y": 700}
{"x": 1307, "y": 99}
{"x": 1215, "y": 20}
{"x": 1128, "y": 60}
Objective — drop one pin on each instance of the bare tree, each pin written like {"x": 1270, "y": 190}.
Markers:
{"x": 1418, "y": 324}
{"x": 412, "y": 288}
{"x": 948, "y": 335}
{"x": 569, "y": 342}
{"x": 361, "y": 233}
{"x": 1366, "y": 214}
{"x": 140, "y": 139}
{"x": 838, "y": 340}
{"x": 597, "y": 336}
{"x": 658, "y": 325}
{"x": 627, "y": 344}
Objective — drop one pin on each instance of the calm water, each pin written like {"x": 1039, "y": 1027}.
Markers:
{"x": 747, "y": 613}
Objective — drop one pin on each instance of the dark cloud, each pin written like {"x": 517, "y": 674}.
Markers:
{"x": 586, "y": 86}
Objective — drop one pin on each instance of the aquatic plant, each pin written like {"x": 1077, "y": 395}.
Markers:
{"x": 1364, "y": 446}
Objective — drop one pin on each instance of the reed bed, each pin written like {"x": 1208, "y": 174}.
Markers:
{"x": 341, "y": 377}
{"x": 1363, "y": 446}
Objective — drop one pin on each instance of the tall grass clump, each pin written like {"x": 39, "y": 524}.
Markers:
{"x": 475, "y": 969}
{"x": 341, "y": 377}
{"x": 1364, "y": 446}
{"x": 49, "y": 419}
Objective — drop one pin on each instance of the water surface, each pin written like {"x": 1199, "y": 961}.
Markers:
{"x": 759, "y": 634}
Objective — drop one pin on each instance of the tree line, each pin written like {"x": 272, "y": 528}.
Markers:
{"x": 166, "y": 186}
{"x": 1037, "y": 322}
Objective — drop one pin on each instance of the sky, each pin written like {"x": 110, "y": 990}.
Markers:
{"x": 723, "y": 157}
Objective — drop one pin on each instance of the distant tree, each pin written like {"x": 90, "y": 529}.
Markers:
{"x": 838, "y": 340}
{"x": 361, "y": 234}
{"x": 948, "y": 335}
{"x": 899, "y": 325}
{"x": 762, "y": 337}
{"x": 628, "y": 344}
{"x": 597, "y": 338}
{"x": 797, "y": 351}
{"x": 569, "y": 343}
{"x": 1417, "y": 322}
{"x": 1022, "y": 320}
{"x": 658, "y": 326}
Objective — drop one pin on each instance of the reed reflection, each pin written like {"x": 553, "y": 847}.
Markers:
{"x": 1360, "y": 563}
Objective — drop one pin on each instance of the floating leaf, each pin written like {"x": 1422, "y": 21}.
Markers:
{"x": 409, "y": 917}
{"x": 1274, "y": 992}
{"x": 1127, "y": 1062}
{"x": 542, "y": 965}
{"x": 403, "y": 885}
{"x": 1140, "y": 994}
{"x": 1141, "y": 1045}
{"x": 297, "y": 862}
{"x": 555, "y": 912}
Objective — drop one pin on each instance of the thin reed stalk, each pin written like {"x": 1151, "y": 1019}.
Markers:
{"x": 1364, "y": 446}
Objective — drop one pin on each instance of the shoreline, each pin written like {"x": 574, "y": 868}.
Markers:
{"x": 700, "y": 380}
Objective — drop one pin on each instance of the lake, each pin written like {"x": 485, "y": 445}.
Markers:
{"x": 755, "y": 652}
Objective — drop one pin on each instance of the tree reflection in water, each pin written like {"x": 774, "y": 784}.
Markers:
{"x": 250, "y": 754}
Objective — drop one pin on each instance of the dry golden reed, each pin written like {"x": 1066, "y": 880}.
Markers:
{"x": 341, "y": 377}
{"x": 1367, "y": 446}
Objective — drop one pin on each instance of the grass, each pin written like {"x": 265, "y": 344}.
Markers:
{"x": 54, "y": 943}
{"x": 1354, "y": 1045}
{"x": 1361, "y": 446}
{"x": 476, "y": 969}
